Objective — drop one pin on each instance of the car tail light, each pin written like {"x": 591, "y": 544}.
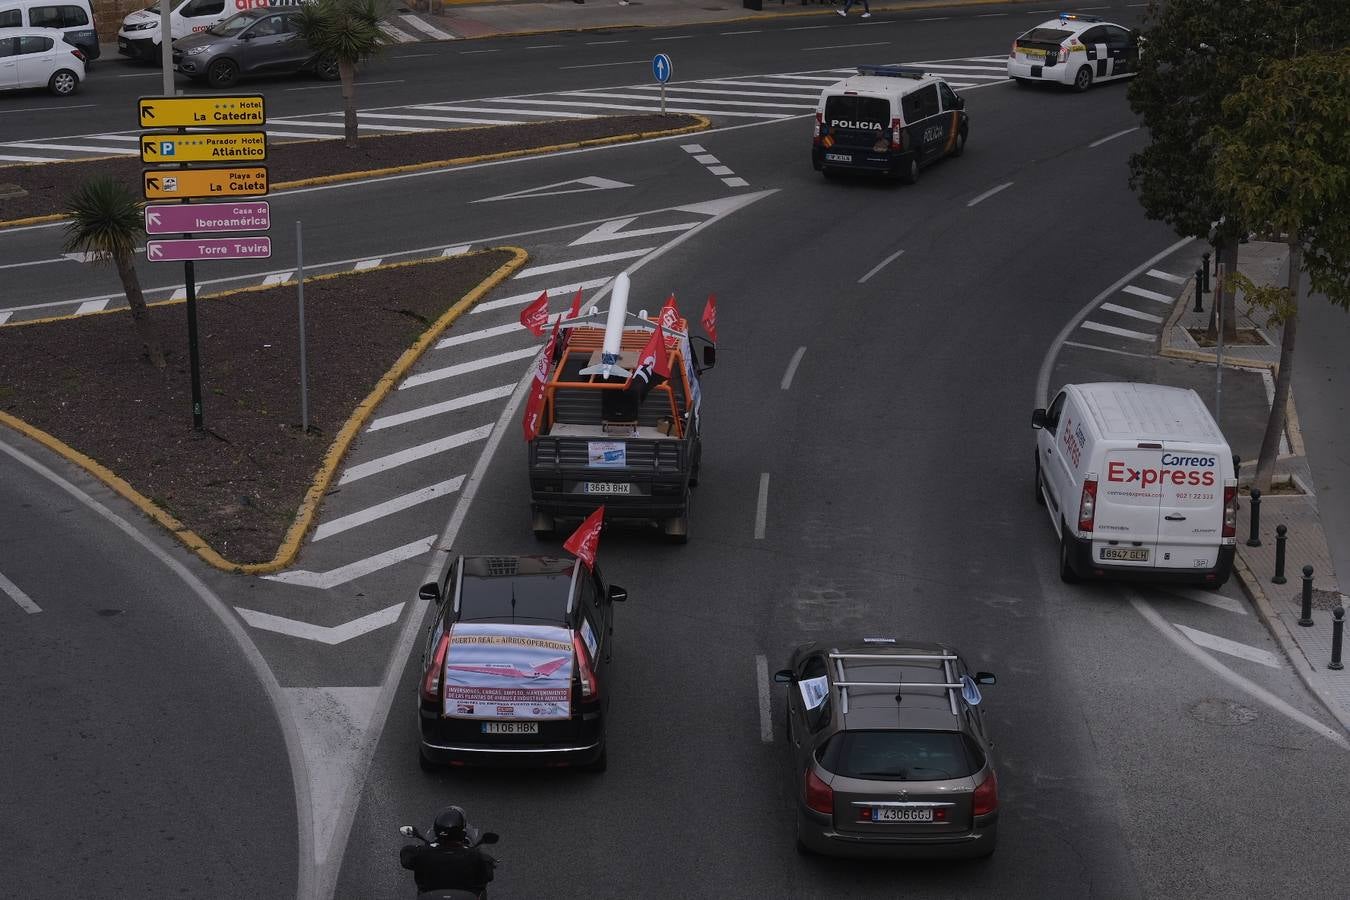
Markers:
{"x": 78, "y": 54}
{"x": 431, "y": 679}
{"x": 819, "y": 795}
{"x": 1087, "y": 505}
{"x": 1230, "y": 508}
{"x": 897, "y": 135}
{"x": 985, "y": 799}
{"x": 820, "y": 122}
{"x": 1013, "y": 50}
{"x": 590, "y": 688}
{"x": 1063, "y": 54}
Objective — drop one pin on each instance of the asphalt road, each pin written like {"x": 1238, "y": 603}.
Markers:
{"x": 1132, "y": 762}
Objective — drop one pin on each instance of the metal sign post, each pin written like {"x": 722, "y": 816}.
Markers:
{"x": 662, "y": 69}
{"x": 166, "y": 46}
{"x": 300, "y": 291}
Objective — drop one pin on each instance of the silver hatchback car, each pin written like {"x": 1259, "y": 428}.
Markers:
{"x": 254, "y": 42}
{"x": 892, "y": 758}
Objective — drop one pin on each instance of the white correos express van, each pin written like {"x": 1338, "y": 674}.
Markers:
{"x": 1138, "y": 481}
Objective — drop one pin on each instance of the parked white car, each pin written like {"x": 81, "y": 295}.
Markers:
{"x": 39, "y": 57}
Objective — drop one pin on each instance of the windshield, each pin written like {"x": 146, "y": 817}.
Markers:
{"x": 233, "y": 25}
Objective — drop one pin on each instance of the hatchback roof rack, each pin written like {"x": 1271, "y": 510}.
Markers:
{"x": 892, "y": 71}
{"x": 952, "y": 686}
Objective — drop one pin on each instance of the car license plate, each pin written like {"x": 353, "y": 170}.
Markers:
{"x": 901, "y": 814}
{"x": 1128, "y": 554}
{"x": 608, "y": 487}
{"x": 839, "y": 157}
{"x": 1032, "y": 54}
{"x": 510, "y": 728}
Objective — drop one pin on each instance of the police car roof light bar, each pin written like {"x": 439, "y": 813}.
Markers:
{"x": 892, "y": 71}
{"x": 1065, "y": 17}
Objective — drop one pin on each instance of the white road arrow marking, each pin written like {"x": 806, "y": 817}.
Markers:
{"x": 387, "y": 508}
{"x": 352, "y": 571}
{"x": 306, "y": 631}
{"x": 614, "y": 231}
{"x": 1232, "y": 648}
{"x": 589, "y": 183}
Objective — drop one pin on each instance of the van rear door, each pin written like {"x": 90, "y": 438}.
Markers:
{"x": 857, "y": 123}
{"x": 1129, "y": 499}
{"x": 1190, "y": 523}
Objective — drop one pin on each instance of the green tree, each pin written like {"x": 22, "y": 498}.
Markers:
{"x": 105, "y": 220}
{"x": 1283, "y": 164}
{"x": 348, "y": 32}
{"x": 1195, "y": 54}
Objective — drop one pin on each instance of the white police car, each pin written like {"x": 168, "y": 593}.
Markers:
{"x": 1074, "y": 50}
{"x": 892, "y": 120}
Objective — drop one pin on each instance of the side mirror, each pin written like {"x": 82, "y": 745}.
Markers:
{"x": 960, "y": 102}
{"x": 617, "y": 594}
{"x": 429, "y": 591}
{"x": 709, "y": 356}
{"x": 784, "y": 676}
{"x": 406, "y": 830}
{"x": 489, "y": 837}
{"x": 985, "y": 678}
{"x": 1038, "y": 418}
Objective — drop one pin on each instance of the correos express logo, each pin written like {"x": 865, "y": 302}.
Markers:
{"x": 1187, "y": 471}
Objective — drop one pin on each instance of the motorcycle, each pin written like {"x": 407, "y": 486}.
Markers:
{"x": 475, "y": 838}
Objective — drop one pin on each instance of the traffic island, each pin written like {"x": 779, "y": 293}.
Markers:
{"x": 232, "y": 490}
{"x": 39, "y": 192}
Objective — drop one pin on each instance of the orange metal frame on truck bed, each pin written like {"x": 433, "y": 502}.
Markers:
{"x": 586, "y": 340}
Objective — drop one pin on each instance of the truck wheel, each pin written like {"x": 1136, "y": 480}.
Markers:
{"x": 1040, "y": 491}
{"x": 543, "y": 526}
{"x": 698, "y": 462}
{"x": 425, "y": 764}
{"x": 601, "y": 764}
{"x": 911, "y": 172}
{"x": 960, "y": 146}
{"x": 677, "y": 529}
{"x": 1066, "y": 572}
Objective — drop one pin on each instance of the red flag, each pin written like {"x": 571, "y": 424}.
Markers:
{"x": 669, "y": 319}
{"x": 654, "y": 358}
{"x": 534, "y": 411}
{"x": 576, "y": 305}
{"x": 535, "y": 315}
{"x": 710, "y": 318}
{"x": 546, "y": 358}
{"x": 584, "y": 541}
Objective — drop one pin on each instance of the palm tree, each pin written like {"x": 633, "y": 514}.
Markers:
{"x": 347, "y": 31}
{"x": 105, "y": 221}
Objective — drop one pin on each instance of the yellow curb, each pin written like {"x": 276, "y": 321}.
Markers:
{"x": 290, "y": 545}
{"x": 702, "y": 123}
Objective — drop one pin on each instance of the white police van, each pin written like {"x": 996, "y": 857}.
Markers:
{"x": 1139, "y": 482}
{"x": 892, "y": 120}
{"x": 1075, "y": 51}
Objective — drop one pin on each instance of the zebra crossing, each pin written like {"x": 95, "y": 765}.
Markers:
{"x": 739, "y": 100}
{"x": 1131, "y": 319}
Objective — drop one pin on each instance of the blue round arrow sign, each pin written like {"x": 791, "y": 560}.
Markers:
{"x": 662, "y": 67}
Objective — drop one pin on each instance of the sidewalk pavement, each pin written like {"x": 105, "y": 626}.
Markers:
{"x": 1279, "y": 605}
{"x": 478, "y": 19}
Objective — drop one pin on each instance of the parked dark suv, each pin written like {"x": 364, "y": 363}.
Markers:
{"x": 515, "y": 670}
{"x": 891, "y": 754}
{"x": 254, "y": 42}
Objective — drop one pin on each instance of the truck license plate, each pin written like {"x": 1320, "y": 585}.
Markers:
{"x": 510, "y": 728}
{"x": 1128, "y": 554}
{"x": 608, "y": 487}
{"x": 900, "y": 814}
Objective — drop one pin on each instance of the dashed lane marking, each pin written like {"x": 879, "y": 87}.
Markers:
{"x": 765, "y": 709}
{"x": 388, "y": 507}
{"x": 845, "y": 46}
{"x": 25, "y": 602}
{"x": 1166, "y": 276}
{"x": 277, "y": 278}
{"x": 881, "y": 265}
{"x": 989, "y": 193}
{"x": 1132, "y": 313}
{"x": 677, "y": 99}
{"x": 721, "y": 170}
{"x": 792, "y": 368}
{"x": 366, "y": 264}
{"x": 782, "y": 95}
{"x": 412, "y": 454}
{"x": 1232, "y": 648}
{"x": 735, "y": 182}
{"x": 1150, "y": 295}
{"x": 435, "y": 409}
{"x": 1118, "y": 332}
{"x": 91, "y": 306}
{"x": 762, "y": 506}
{"x": 473, "y": 365}
{"x": 325, "y": 580}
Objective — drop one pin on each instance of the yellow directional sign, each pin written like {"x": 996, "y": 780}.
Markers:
{"x": 201, "y": 112}
{"x": 217, "y": 184}
{"x": 223, "y": 146}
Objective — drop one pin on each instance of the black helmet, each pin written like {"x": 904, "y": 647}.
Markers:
{"x": 450, "y": 824}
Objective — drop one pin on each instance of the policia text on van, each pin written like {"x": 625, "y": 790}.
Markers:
{"x": 888, "y": 119}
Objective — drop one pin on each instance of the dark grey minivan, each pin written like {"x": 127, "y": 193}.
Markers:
{"x": 253, "y": 42}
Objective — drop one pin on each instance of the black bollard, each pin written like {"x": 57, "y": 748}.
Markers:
{"x": 1205, "y": 268}
{"x": 1337, "y": 636}
{"x": 1281, "y": 535}
{"x": 1254, "y": 539}
{"x": 1199, "y": 293}
{"x": 1305, "y": 618}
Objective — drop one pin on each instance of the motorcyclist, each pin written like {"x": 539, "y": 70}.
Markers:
{"x": 452, "y": 861}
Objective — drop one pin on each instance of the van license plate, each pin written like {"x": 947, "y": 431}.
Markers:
{"x": 839, "y": 157}
{"x": 901, "y": 814}
{"x": 608, "y": 487}
{"x": 1127, "y": 554}
{"x": 510, "y": 728}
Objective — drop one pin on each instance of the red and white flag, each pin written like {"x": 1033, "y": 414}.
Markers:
{"x": 534, "y": 410}
{"x": 653, "y": 360}
{"x": 576, "y": 306}
{"x": 545, "y": 363}
{"x": 669, "y": 319}
{"x": 710, "y": 317}
{"x": 535, "y": 315}
{"x": 586, "y": 539}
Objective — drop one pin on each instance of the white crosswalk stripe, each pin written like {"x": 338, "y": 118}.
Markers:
{"x": 1146, "y": 293}
{"x": 398, "y": 34}
{"x": 1131, "y": 313}
{"x": 427, "y": 28}
{"x": 1118, "y": 332}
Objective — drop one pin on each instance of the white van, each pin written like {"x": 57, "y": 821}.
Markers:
{"x": 74, "y": 18}
{"x": 139, "y": 35}
{"x": 1139, "y": 482}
